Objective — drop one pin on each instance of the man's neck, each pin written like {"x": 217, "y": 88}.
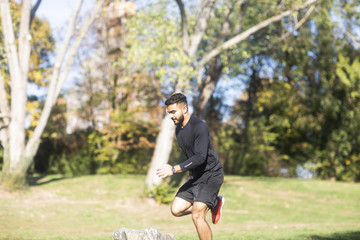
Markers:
{"x": 186, "y": 120}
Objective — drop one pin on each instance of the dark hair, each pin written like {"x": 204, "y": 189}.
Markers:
{"x": 176, "y": 98}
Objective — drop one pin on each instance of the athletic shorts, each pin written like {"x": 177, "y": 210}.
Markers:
{"x": 205, "y": 189}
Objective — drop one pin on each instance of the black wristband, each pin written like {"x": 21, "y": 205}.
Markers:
{"x": 173, "y": 169}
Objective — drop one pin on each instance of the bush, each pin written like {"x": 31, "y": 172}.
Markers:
{"x": 162, "y": 193}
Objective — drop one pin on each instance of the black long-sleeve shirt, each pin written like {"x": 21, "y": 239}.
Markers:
{"x": 194, "y": 141}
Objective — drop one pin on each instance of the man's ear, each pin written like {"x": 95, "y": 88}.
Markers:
{"x": 185, "y": 108}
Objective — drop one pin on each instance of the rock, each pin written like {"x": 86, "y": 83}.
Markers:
{"x": 147, "y": 234}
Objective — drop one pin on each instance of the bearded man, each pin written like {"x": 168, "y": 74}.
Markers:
{"x": 200, "y": 193}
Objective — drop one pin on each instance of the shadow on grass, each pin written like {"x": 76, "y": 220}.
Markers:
{"x": 41, "y": 180}
{"x": 338, "y": 236}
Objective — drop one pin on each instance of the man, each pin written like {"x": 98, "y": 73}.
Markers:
{"x": 199, "y": 193}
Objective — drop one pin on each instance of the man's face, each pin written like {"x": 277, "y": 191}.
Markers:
{"x": 176, "y": 112}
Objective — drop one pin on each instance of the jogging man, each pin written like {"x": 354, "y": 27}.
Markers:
{"x": 206, "y": 175}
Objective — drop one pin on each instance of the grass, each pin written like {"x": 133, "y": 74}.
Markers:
{"x": 92, "y": 207}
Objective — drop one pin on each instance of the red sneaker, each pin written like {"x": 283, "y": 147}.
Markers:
{"x": 217, "y": 210}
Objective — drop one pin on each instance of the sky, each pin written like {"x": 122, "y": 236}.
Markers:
{"x": 58, "y": 12}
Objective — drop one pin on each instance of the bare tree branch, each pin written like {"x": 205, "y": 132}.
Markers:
{"x": 244, "y": 35}
{"x": 33, "y": 11}
{"x": 24, "y": 40}
{"x": 300, "y": 23}
{"x": 62, "y": 53}
{"x": 201, "y": 26}
{"x": 10, "y": 45}
{"x": 34, "y": 140}
{"x": 184, "y": 26}
{"x": 50, "y": 99}
{"x": 224, "y": 34}
{"x": 57, "y": 78}
{"x": 197, "y": 36}
{"x": 74, "y": 48}
{"x": 297, "y": 26}
{"x": 353, "y": 38}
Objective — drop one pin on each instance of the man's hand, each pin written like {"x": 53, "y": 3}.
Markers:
{"x": 164, "y": 171}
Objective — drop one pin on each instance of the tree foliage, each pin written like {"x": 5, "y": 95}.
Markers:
{"x": 310, "y": 103}
{"x": 299, "y": 105}
{"x": 154, "y": 41}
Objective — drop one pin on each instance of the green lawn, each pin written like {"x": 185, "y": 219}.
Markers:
{"x": 92, "y": 207}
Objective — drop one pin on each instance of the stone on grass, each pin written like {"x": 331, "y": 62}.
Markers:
{"x": 146, "y": 234}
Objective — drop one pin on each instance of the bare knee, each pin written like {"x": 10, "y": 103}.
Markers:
{"x": 198, "y": 213}
{"x": 180, "y": 207}
{"x": 197, "y": 216}
{"x": 176, "y": 212}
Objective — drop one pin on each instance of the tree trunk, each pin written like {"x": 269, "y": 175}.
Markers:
{"x": 17, "y": 157}
{"x": 18, "y": 74}
{"x": 213, "y": 74}
{"x": 253, "y": 87}
{"x": 162, "y": 151}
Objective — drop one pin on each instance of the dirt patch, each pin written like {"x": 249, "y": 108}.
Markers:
{"x": 36, "y": 196}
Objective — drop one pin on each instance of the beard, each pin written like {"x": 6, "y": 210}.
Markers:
{"x": 179, "y": 121}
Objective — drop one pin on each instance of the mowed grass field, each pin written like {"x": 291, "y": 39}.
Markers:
{"x": 92, "y": 207}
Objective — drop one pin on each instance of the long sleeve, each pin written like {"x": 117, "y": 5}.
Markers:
{"x": 200, "y": 148}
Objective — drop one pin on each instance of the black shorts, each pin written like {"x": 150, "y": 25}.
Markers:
{"x": 205, "y": 189}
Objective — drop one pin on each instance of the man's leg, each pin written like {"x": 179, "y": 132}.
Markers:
{"x": 198, "y": 214}
{"x": 180, "y": 207}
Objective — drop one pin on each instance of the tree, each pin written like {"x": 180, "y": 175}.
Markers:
{"x": 19, "y": 153}
{"x": 206, "y": 62}
{"x": 119, "y": 108}
{"x": 312, "y": 100}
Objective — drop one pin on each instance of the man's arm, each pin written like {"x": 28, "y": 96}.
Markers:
{"x": 201, "y": 145}
{"x": 167, "y": 170}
